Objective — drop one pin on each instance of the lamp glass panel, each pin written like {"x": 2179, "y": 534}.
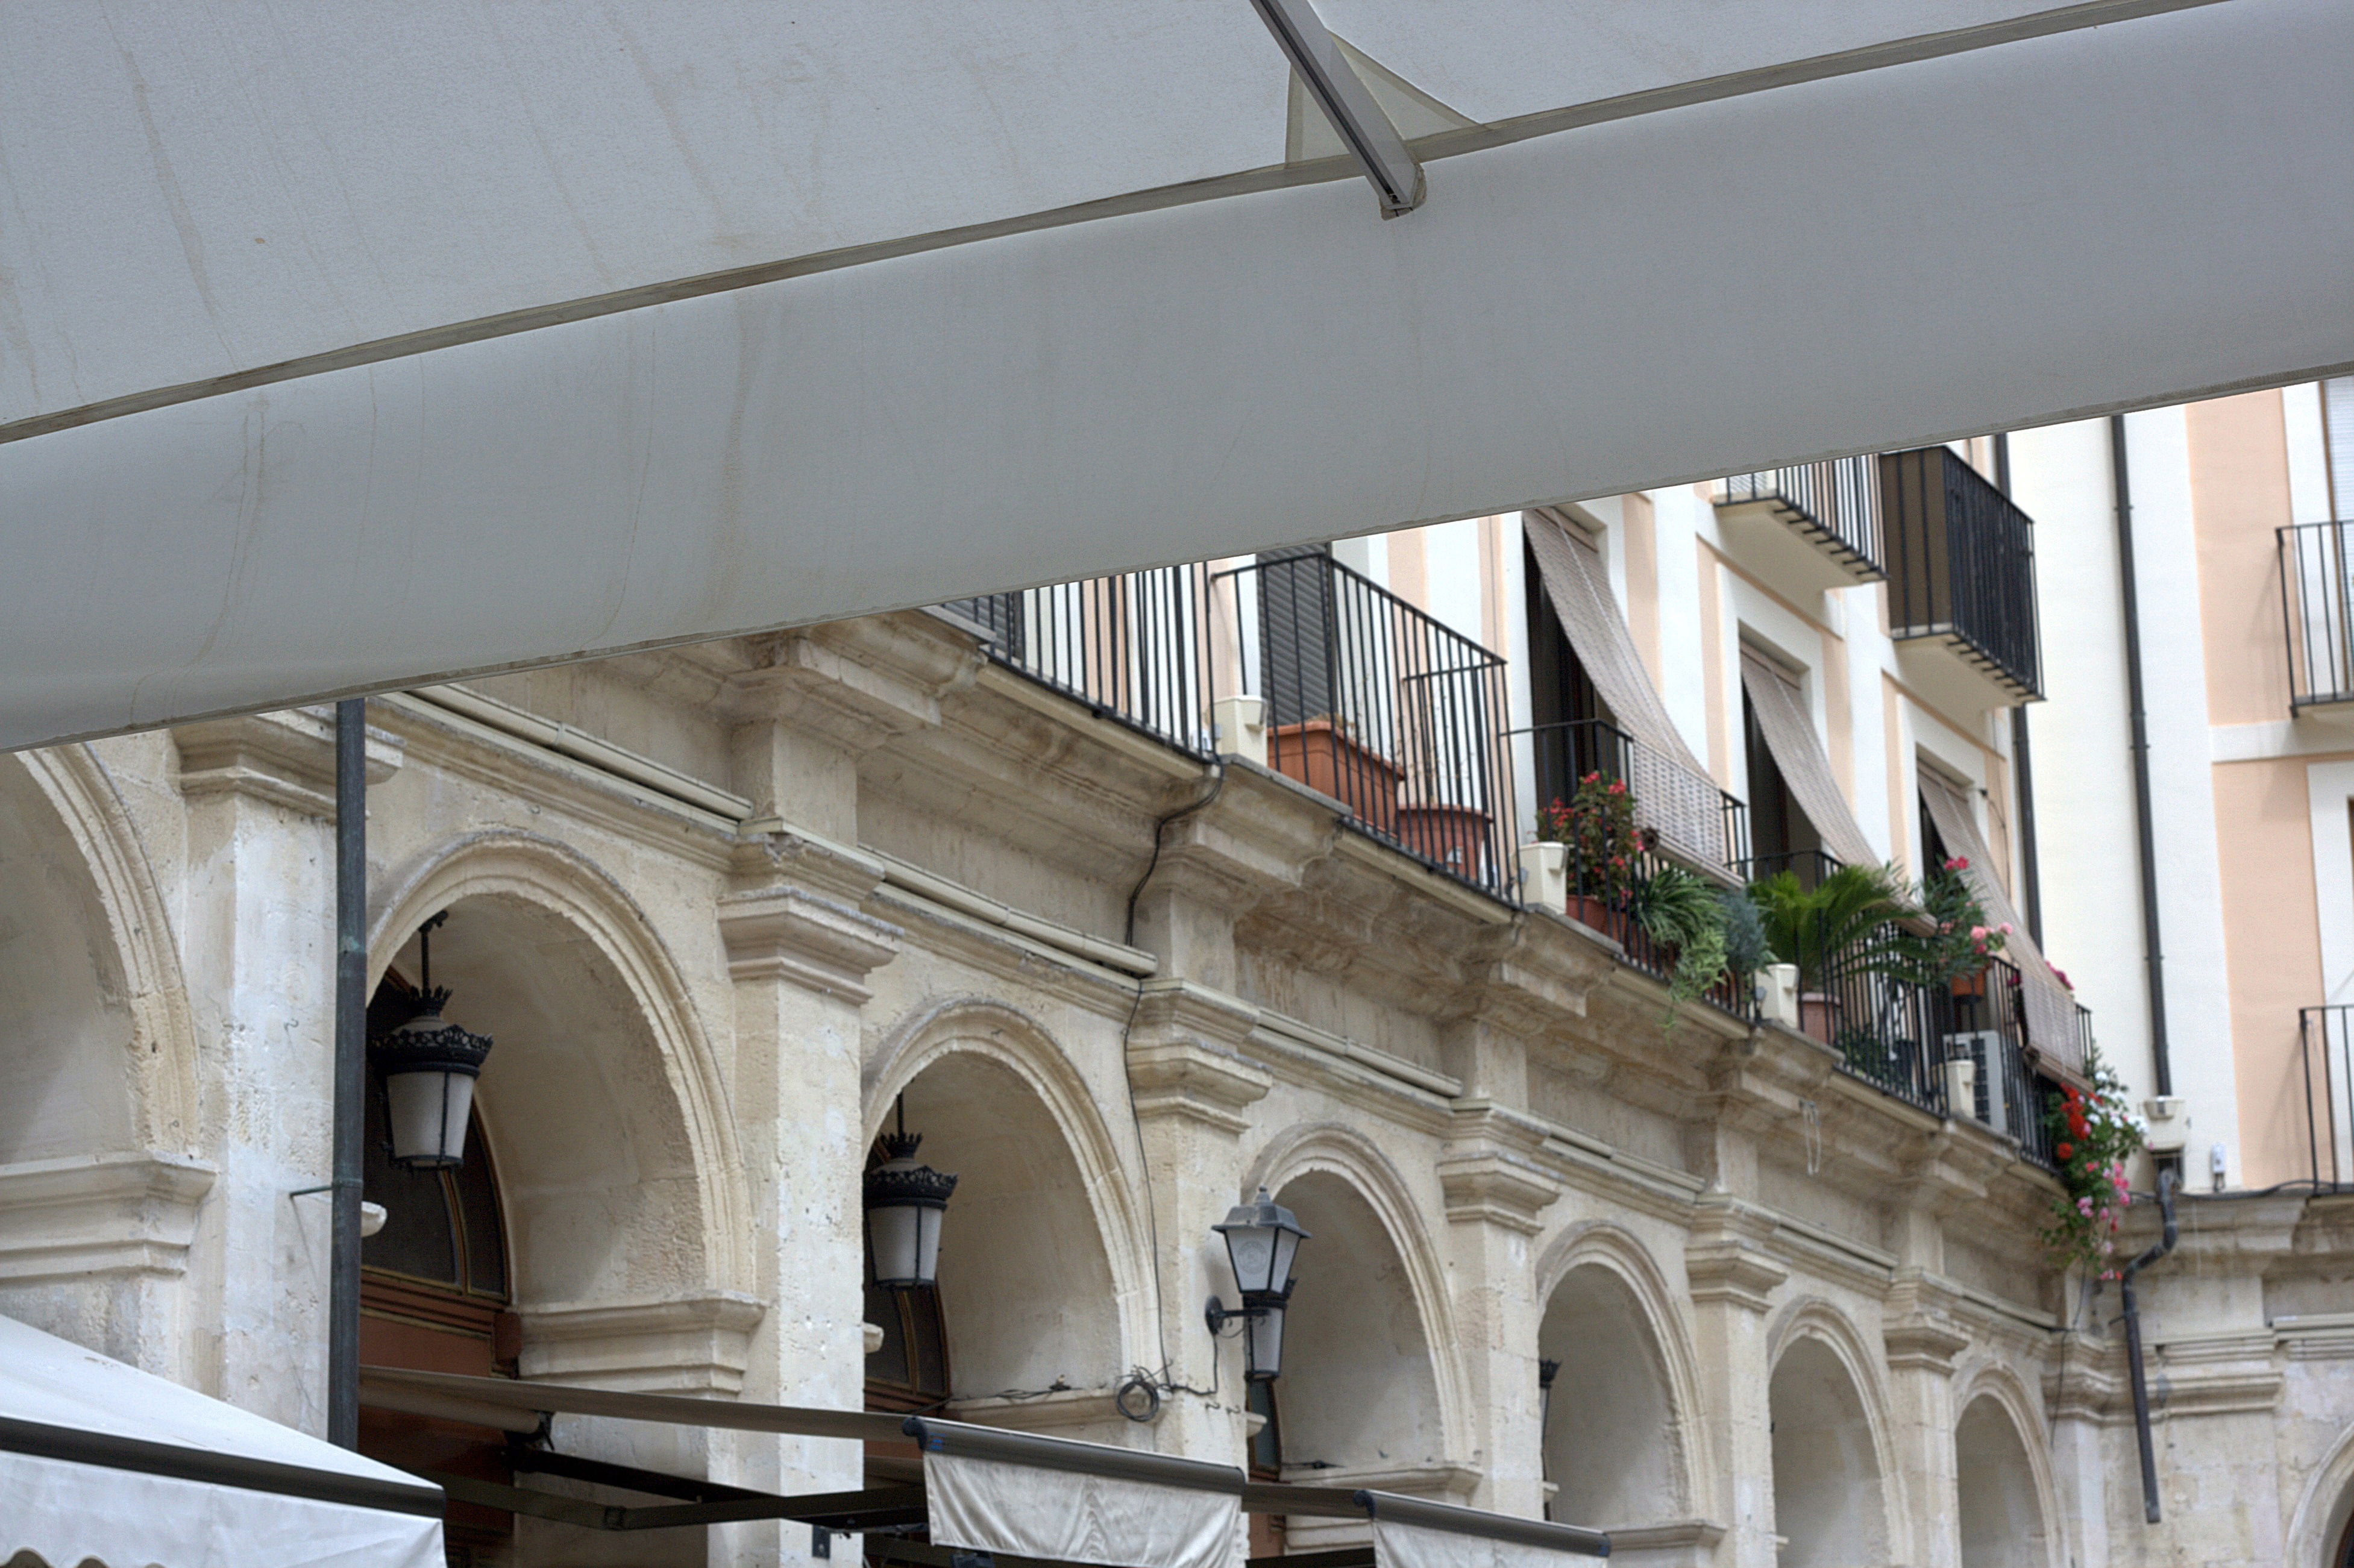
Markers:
{"x": 927, "y": 1244}
{"x": 1287, "y": 1244}
{"x": 430, "y": 1112}
{"x": 1262, "y": 1356}
{"x": 893, "y": 1232}
{"x": 1251, "y": 1250}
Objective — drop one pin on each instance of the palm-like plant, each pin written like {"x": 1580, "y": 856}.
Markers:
{"x": 1848, "y": 920}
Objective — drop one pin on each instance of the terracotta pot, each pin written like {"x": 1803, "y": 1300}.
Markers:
{"x": 1453, "y": 836}
{"x": 1819, "y": 1015}
{"x": 1588, "y": 910}
{"x": 1967, "y": 987}
{"x": 1329, "y": 762}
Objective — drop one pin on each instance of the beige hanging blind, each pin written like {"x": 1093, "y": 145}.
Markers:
{"x": 1789, "y": 732}
{"x": 2049, "y": 1007}
{"x": 1673, "y": 793}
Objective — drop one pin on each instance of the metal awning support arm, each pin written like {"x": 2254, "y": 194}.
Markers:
{"x": 1423, "y": 1514}
{"x": 1347, "y": 102}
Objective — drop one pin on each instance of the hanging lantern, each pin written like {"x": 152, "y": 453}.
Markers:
{"x": 905, "y": 1202}
{"x": 1262, "y": 1239}
{"x": 429, "y": 1068}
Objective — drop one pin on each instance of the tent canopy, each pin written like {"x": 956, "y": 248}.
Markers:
{"x": 101, "y": 1462}
{"x": 366, "y": 345}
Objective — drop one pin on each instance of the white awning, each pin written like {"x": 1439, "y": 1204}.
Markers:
{"x": 101, "y": 1462}
{"x": 2053, "y": 1027}
{"x": 1789, "y": 732}
{"x": 1413, "y": 1532}
{"x": 1059, "y": 1500}
{"x": 347, "y": 347}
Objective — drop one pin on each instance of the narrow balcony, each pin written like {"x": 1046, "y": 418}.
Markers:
{"x": 1807, "y": 529}
{"x": 1961, "y": 582}
{"x": 2317, "y": 572}
{"x": 1300, "y": 664}
{"x": 2326, "y": 1064}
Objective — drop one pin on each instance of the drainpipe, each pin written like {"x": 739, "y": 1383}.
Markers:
{"x": 351, "y": 1072}
{"x": 2121, "y": 478}
{"x": 2164, "y": 1245}
{"x": 2030, "y": 874}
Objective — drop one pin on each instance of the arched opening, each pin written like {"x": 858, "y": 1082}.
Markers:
{"x": 1024, "y": 1327}
{"x": 66, "y": 1030}
{"x": 2001, "y": 1516}
{"x": 1613, "y": 1437}
{"x": 1826, "y": 1483}
{"x": 1358, "y": 1399}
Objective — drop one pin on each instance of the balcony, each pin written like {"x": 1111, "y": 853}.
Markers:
{"x": 1961, "y": 583}
{"x": 1807, "y": 529}
{"x": 2326, "y": 1062}
{"x": 2316, "y": 573}
{"x": 1364, "y": 699}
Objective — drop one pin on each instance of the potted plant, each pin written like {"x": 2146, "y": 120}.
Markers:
{"x": 2092, "y": 1136}
{"x": 1597, "y": 826}
{"x": 1952, "y": 953}
{"x": 1706, "y": 932}
{"x": 1845, "y": 923}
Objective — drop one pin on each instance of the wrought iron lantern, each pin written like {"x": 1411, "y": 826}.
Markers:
{"x": 429, "y": 1066}
{"x": 904, "y": 1202}
{"x": 1262, "y": 1239}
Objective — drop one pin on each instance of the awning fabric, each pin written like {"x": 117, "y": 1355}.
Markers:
{"x": 1076, "y": 1502}
{"x": 101, "y": 1462}
{"x": 1411, "y": 1532}
{"x": 1673, "y": 793}
{"x": 2049, "y": 1007}
{"x": 1789, "y": 733}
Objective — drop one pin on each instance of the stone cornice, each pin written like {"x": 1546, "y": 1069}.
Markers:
{"x": 1491, "y": 1170}
{"x": 1183, "y": 1057}
{"x": 1726, "y": 1261}
{"x": 103, "y": 1215}
{"x": 858, "y": 684}
{"x": 682, "y": 1344}
{"x": 285, "y": 758}
{"x": 947, "y": 936}
{"x": 1921, "y": 1331}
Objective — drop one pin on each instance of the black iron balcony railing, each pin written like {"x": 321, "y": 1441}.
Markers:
{"x": 2326, "y": 1059}
{"x": 1135, "y": 648}
{"x": 1382, "y": 706}
{"x": 1836, "y": 503}
{"x": 1961, "y": 565}
{"x": 1694, "y": 820}
{"x": 1810, "y": 866}
{"x": 2316, "y": 567}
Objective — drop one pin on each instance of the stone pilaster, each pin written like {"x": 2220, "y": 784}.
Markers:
{"x": 1495, "y": 1190}
{"x": 1731, "y": 1281}
{"x": 1192, "y": 1087}
{"x": 259, "y": 953}
{"x": 1922, "y": 1338}
{"x": 798, "y": 950}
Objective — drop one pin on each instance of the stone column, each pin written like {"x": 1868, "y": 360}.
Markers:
{"x": 259, "y": 951}
{"x": 1494, "y": 1191}
{"x": 1922, "y": 1339}
{"x": 1192, "y": 1087}
{"x": 798, "y": 951}
{"x": 1731, "y": 1279}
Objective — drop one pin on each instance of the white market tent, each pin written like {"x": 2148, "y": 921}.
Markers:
{"x": 101, "y": 1462}
{"x": 350, "y": 347}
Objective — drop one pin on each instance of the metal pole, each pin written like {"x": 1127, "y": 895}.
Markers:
{"x": 351, "y": 1072}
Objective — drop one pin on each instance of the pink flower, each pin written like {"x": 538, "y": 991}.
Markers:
{"x": 1977, "y": 932}
{"x": 2062, "y": 976}
{"x": 2005, "y": 928}
{"x": 1957, "y": 863}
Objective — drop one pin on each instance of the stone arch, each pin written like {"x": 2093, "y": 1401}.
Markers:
{"x": 1042, "y": 1192}
{"x": 2325, "y": 1509}
{"x": 1383, "y": 1279}
{"x": 1623, "y": 1448}
{"x": 603, "y": 1100}
{"x": 2006, "y": 1503}
{"x": 124, "y": 1060}
{"x": 1836, "y": 1482}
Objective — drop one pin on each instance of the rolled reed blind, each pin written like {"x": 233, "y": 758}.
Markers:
{"x": 1789, "y": 731}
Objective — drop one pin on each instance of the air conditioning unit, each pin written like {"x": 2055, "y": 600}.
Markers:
{"x": 1982, "y": 1048}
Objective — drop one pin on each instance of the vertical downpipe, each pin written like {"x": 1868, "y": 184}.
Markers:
{"x": 2121, "y": 478}
{"x": 2030, "y": 874}
{"x": 2158, "y": 1249}
{"x": 351, "y": 1072}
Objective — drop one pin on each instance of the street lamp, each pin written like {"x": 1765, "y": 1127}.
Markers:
{"x": 1262, "y": 1238}
{"x": 429, "y": 1068}
{"x": 905, "y": 1202}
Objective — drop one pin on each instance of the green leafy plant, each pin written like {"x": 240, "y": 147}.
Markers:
{"x": 2092, "y": 1136}
{"x": 1688, "y": 914}
{"x": 1847, "y": 919}
{"x": 1597, "y": 823}
{"x": 1747, "y": 949}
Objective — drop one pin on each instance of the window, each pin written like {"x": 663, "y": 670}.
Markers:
{"x": 2337, "y": 442}
{"x": 1564, "y": 705}
{"x": 1781, "y": 837}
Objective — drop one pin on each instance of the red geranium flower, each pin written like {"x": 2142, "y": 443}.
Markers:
{"x": 2065, "y": 1150}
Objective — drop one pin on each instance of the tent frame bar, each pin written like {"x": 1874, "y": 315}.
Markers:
{"x": 177, "y": 1462}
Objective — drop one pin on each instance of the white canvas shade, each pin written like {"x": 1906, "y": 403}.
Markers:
{"x": 356, "y": 346}
{"x": 101, "y": 1462}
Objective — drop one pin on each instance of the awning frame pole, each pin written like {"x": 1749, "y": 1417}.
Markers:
{"x": 350, "y": 1073}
